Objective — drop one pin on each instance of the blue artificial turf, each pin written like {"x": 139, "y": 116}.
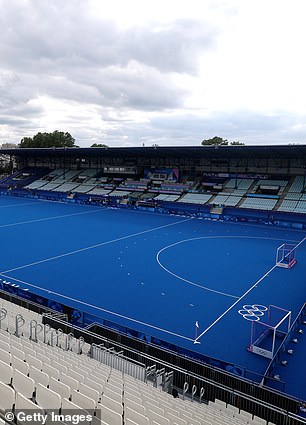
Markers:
{"x": 154, "y": 273}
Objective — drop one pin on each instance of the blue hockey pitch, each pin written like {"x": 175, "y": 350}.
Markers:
{"x": 154, "y": 273}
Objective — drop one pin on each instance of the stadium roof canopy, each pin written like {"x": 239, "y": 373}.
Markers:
{"x": 220, "y": 152}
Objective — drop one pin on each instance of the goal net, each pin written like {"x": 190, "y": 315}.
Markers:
{"x": 286, "y": 256}
{"x": 267, "y": 337}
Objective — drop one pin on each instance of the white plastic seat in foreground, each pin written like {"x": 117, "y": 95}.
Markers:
{"x": 161, "y": 420}
{"x": 20, "y": 365}
{"x": 137, "y": 407}
{"x": 80, "y": 377}
{"x": 132, "y": 415}
{"x": 111, "y": 417}
{"x": 15, "y": 341}
{"x": 132, "y": 397}
{"x": 4, "y": 344}
{"x": 89, "y": 392}
{"x": 60, "y": 388}
{"x": 115, "y": 383}
{"x": 23, "y": 384}
{"x": 69, "y": 405}
{"x": 193, "y": 421}
{"x": 175, "y": 419}
{"x": 68, "y": 380}
{"x": 245, "y": 416}
{"x": 33, "y": 361}
{"x": 4, "y": 336}
{"x": 38, "y": 376}
{"x": 153, "y": 405}
{"x": 231, "y": 410}
{"x": 259, "y": 421}
{"x": 168, "y": 409}
{"x": 17, "y": 352}
{"x": 114, "y": 395}
{"x": 95, "y": 385}
{"x": 113, "y": 405}
{"x": 7, "y": 397}
{"x": 98, "y": 377}
{"x": 218, "y": 404}
{"x": 22, "y": 403}
{"x": 48, "y": 399}
{"x": 60, "y": 367}
{"x": 6, "y": 372}
{"x": 83, "y": 401}
{"x": 51, "y": 371}
{"x": 43, "y": 357}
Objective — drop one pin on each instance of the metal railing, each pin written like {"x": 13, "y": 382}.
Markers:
{"x": 205, "y": 383}
{"x": 118, "y": 361}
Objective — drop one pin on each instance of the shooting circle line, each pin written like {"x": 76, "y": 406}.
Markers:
{"x": 190, "y": 282}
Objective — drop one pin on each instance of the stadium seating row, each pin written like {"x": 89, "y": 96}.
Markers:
{"x": 234, "y": 191}
{"x": 195, "y": 198}
{"x": 259, "y": 203}
{"x": 39, "y": 376}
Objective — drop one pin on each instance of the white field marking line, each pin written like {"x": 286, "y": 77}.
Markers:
{"x": 49, "y": 218}
{"x": 98, "y": 308}
{"x": 242, "y": 296}
{"x": 197, "y": 238}
{"x": 95, "y": 246}
{"x": 182, "y": 278}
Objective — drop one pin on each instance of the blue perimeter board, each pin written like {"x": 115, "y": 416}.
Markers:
{"x": 154, "y": 273}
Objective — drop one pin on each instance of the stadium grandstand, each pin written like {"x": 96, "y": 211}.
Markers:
{"x": 154, "y": 285}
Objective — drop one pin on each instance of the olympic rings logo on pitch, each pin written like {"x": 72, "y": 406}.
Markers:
{"x": 252, "y": 312}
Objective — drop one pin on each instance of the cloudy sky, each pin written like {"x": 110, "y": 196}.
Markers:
{"x": 128, "y": 73}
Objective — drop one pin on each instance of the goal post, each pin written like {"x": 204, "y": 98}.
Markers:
{"x": 267, "y": 337}
{"x": 286, "y": 256}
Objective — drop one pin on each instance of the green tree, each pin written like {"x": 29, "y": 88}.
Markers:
{"x": 236, "y": 143}
{"x": 215, "y": 141}
{"x": 99, "y": 145}
{"x": 57, "y": 139}
{"x": 218, "y": 141}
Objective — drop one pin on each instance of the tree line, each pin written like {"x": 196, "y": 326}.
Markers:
{"x": 60, "y": 139}
{"x": 57, "y": 139}
{"x": 218, "y": 141}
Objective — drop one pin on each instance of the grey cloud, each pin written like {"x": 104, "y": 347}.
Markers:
{"x": 15, "y": 97}
{"x": 142, "y": 88}
{"x": 189, "y": 129}
{"x": 57, "y": 49}
{"x": 12, "y": 121}
{"x": 248, "y": 127}
{"x": 45, "y": 35}
{"x": 171, "y": 49}
{"x": 12, "y": 90}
